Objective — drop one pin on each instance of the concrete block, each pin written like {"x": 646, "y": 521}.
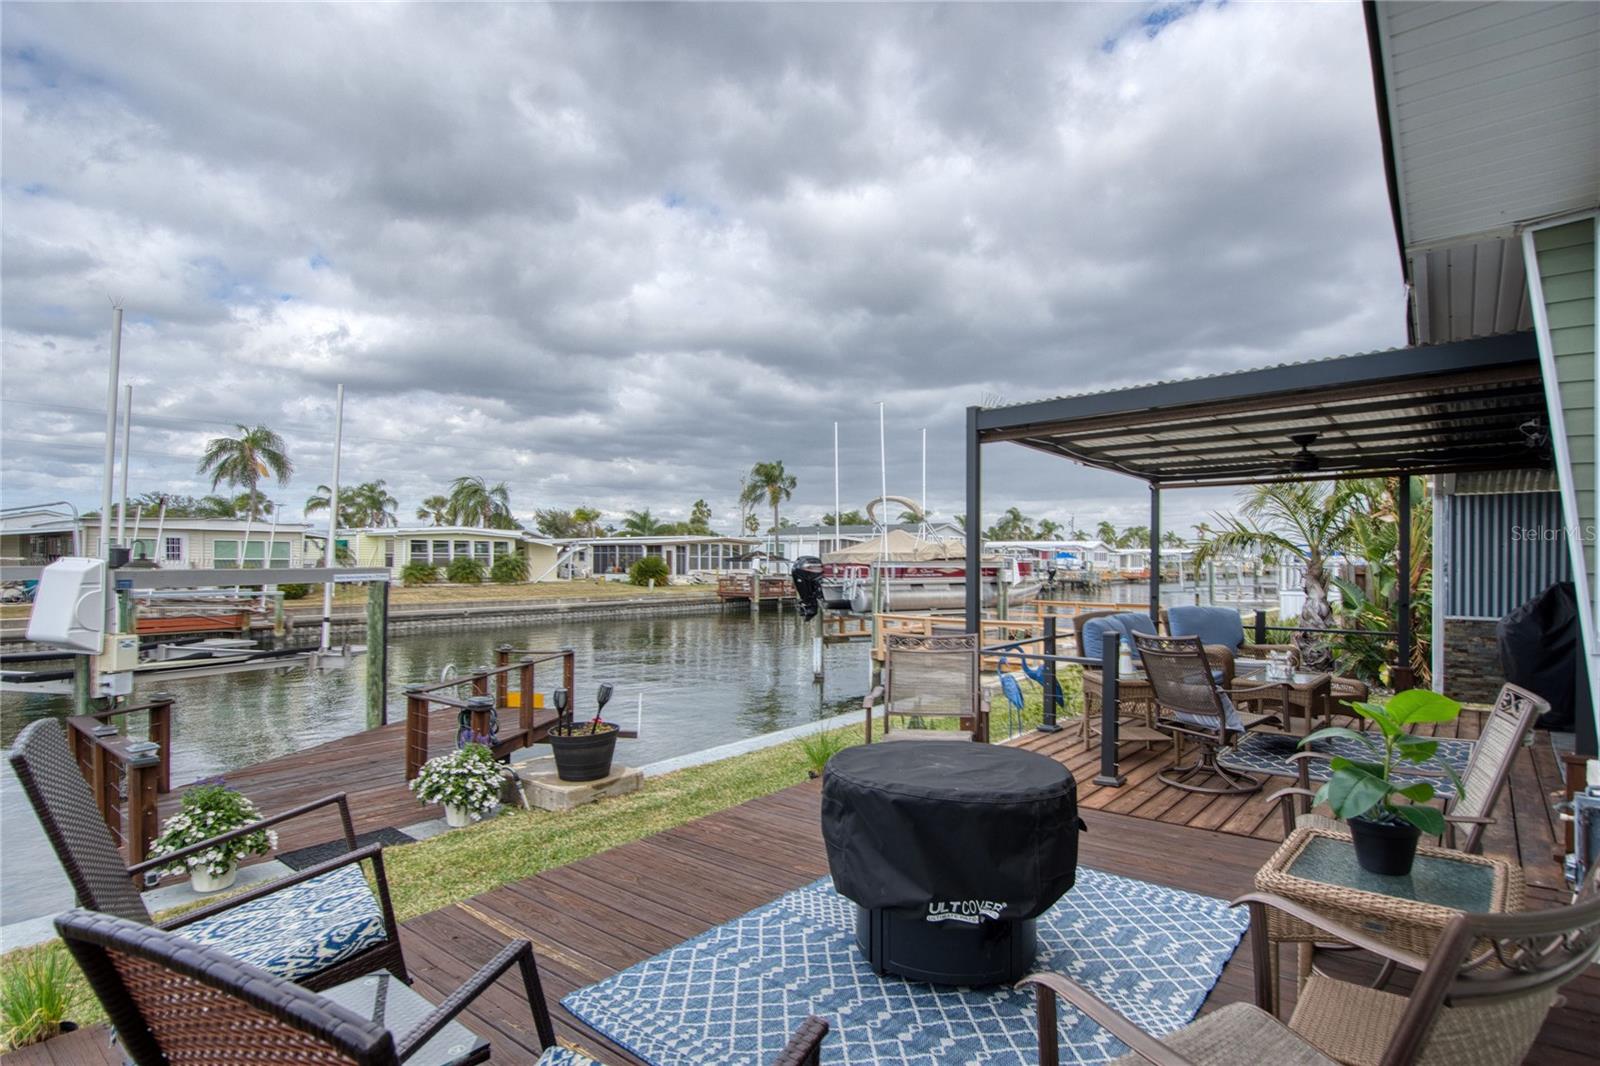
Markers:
{"x": 542, "y": 789}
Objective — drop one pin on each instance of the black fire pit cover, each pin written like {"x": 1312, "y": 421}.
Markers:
{"x": 918, "y": 822}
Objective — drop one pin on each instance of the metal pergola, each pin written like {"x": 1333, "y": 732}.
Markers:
{"x": 1438, "y": 409}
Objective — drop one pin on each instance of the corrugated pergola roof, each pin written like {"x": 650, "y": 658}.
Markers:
{"x": 1444, "y": 408}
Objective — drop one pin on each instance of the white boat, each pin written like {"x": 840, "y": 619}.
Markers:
{"x": 919, "y": 574}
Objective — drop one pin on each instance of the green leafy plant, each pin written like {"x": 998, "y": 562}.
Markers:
{"x": 509, "y": 569}
{"x": 418, "y": 573}
{"x": 207, "y": 809}
{"x": 468, "y": 778}
{"x": 464, "y": 570}
{"x": 1363, "y": 788}
{"x": 823, "y": 745}
{"x": 295, "y": 591}
{"x": 35, "y": 995}
{"x": 650, "y": 567}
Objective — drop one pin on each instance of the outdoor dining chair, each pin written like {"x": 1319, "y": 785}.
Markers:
{"x": 318, "y": 926}
{"x": 1468, "y": 815}
{"x": 1480, "y": 999}
{"x": 1192, "y": 703}
{"x": 930, "y": 677}
{"x": 171, "y": 1000}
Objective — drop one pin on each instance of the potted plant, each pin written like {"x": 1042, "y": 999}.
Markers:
{"x": 466, "y": 782}
{"x": 210, "y": 808}
{"x": 1386, "y": 819}
{"x": 583, "y": 751}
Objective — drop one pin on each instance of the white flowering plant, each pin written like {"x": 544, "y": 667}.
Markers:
{"x": 210, "y": 808}
{"x": 468, "y": 778}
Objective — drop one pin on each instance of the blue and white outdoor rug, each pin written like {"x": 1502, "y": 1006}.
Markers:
{"x": 735, "y": 993}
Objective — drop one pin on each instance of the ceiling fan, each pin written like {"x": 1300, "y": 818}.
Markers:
{"x": 1304, "y": 461}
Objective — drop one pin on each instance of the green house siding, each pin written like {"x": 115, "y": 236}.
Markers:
{"x": 1566, "y": 257}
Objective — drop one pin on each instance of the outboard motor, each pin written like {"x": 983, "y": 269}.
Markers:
{"x": 807, "y": 574}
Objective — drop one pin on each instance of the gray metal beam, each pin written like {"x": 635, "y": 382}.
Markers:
{"x": 974, "y": 538}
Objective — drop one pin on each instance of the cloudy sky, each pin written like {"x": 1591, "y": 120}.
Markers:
{"x": 615, "y": 254}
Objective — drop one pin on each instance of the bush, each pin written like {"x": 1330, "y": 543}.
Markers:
{"x": 418, "y": 573}
{"x": 651, "y": 566}
{"x": 295, "y": 592}
{"x": 464, "y": 571}
{"x": 509, "y": 569}
{"x": 468, "y": 778}
{"x": 209, "y": 809}
{"x": 35, "y": 996}
{"x": 822, "y": 745}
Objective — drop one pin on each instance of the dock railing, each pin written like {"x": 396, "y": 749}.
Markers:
{"x": 478, "y": 709}
{"x": 126, "y": 775}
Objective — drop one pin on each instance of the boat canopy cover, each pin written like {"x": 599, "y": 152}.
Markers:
{"x": 903, "y": 547}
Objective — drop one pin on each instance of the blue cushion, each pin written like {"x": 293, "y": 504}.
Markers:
{"x": 1230, "y": 713}
{"x": 301, "y": 930}
{"x": 1123, "y": 624}
{"x": 1213, "y": 625}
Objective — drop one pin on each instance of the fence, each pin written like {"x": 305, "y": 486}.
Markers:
{"x": 126, "y": 775}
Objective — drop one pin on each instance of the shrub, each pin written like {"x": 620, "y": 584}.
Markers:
{"x": 464, "y": 570}
{"x": 294, "y": 591}
{"x": 36, "y": 991}
{"x": 823, "y": 745}
{"x": 209, "y": 809}
{"x": 418, "y": 573}
{"x": 509, "y": 569}
{"x": 651, "y": 566}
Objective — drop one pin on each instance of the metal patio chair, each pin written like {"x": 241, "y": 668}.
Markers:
{"x": 1192, "y": 703}
{"x": 319, "y": 926}
{"x": 1480, "y": 999}
{"x": 171, "y": 1000}
{"x": 1488, "y": 769}
{"x": 930, "y": 677}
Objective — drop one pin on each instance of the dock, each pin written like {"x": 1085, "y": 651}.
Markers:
{"x": 755, "y": 589}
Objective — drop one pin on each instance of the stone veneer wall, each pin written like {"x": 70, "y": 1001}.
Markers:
{"x": 1471, "y": 660}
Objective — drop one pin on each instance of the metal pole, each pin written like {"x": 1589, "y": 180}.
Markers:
{"x": 974, "y": 585}
{"x": 161, "y": 525}
{"x": 1155, "y": 552}
{"x": 883, "y": 490}
{"x": 1049, "y": 724}
{"x": 127, "y": 419}
{"x": 1110, "y": 654}
{"x": 333, "y": 519}
{"x": 1403, "y": 676}
{"x": 110, "y": 461}
{"x": 836, "y": 537}
{"x": 924, "y": 517}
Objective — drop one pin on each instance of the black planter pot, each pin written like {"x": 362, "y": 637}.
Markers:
{"x": 1387, "y": 848}
{"x": 582, "y": 755}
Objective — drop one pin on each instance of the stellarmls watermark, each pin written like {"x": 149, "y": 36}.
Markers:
{"x": 1585, "y": 534}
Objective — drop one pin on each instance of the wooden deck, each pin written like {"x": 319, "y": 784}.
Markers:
{"x": 599, "y": 915}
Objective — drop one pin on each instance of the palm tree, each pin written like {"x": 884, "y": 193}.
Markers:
{"x": 317, "y": 503}
{"x": 587, "y": 519}
{"x": 474, "y": 501}
{"x": 435, "y": 509}
{"x": 1171, "y": 539}
{"x": 1013, "y": 525}
{"x": 1106, "y": 533}
{"x": 257, "y": 452}
{"x": 772, "y": 482}
{"x": 372, "y": 506}
{"x": 1134, "y": 537}
{"x": 700, "y": 517}
{"x": 1306, "y": 520}
{"x": 1049, "y": 530}
{"x": 641, "y": 524}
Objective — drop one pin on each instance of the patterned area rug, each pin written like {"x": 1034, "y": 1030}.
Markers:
{"x": 736, "y": 992}
{"x": 1268, "y": 753}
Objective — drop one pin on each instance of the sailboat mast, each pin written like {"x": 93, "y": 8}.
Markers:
{"x": 836, "y": 486}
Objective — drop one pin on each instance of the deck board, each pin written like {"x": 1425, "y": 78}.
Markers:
{"x": 601, "y": 914}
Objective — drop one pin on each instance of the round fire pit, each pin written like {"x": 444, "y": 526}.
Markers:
{"x": 951, "y": 850}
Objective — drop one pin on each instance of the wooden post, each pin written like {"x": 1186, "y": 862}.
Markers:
{"x": 142, "y": 825}
{"x": 81, "y": 672}
{"x": 525, "y": 696}
{"x": 569, "y": 676}
{"x": 377, "y": 654}
{"x": 480, "y": 715}
{"x": 416, "y": 732}
{"x": 160, "y": 732}
{"x": 502, "y": 680}
{"x": 817, "y": 649}
{"x": 480, "y": 681}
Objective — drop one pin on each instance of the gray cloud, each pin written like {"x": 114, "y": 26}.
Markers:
{"x": 616, "y": 253}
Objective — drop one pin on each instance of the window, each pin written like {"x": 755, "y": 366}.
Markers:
{"x": 143, "y": 549}
{"x": 501, "y": 548}
{"x": 441, "y": 552}
{"x": 225, "y": 554}
{"x": 174, "y": 552}
{"x": 255, "y": 554}
{"x": 462, "y": 549}
{"x": 419, "y": 551}
{"x": 480, "y": 551}
{"x": 280, "y": 553}
{"x": 388, "y": 552}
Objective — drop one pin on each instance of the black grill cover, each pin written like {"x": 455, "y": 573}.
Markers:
{"x": 1541, "y": 649}
{"x": 914, "y": 822}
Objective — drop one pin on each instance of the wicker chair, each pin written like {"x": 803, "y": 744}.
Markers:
{"x": 1192, "y": 704}
{"x": 1489, "y": 768}
{"x": 1480, "y": 1000}
{"x": 319, "y": 926}
{"x": 1135, "y": 702}
{"x": 171, "y": 1000}
{"x": 930, "y": 677}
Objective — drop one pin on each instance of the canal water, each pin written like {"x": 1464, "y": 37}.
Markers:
{"x": 701, "y": 679}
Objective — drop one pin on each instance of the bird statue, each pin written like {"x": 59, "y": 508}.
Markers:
{"x": 1036, "y": 673}
{"x": 1012, "y": 691}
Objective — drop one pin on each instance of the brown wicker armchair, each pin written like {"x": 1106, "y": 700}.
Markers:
{"x": 171, "y": 1001}
{"x": 1480, "y": 1000}
{"x": 1504, "y": 730}
{"x": 1192, "y": 704}
{"x": 930, "y": 677}
{"x": 319, "y": 926}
